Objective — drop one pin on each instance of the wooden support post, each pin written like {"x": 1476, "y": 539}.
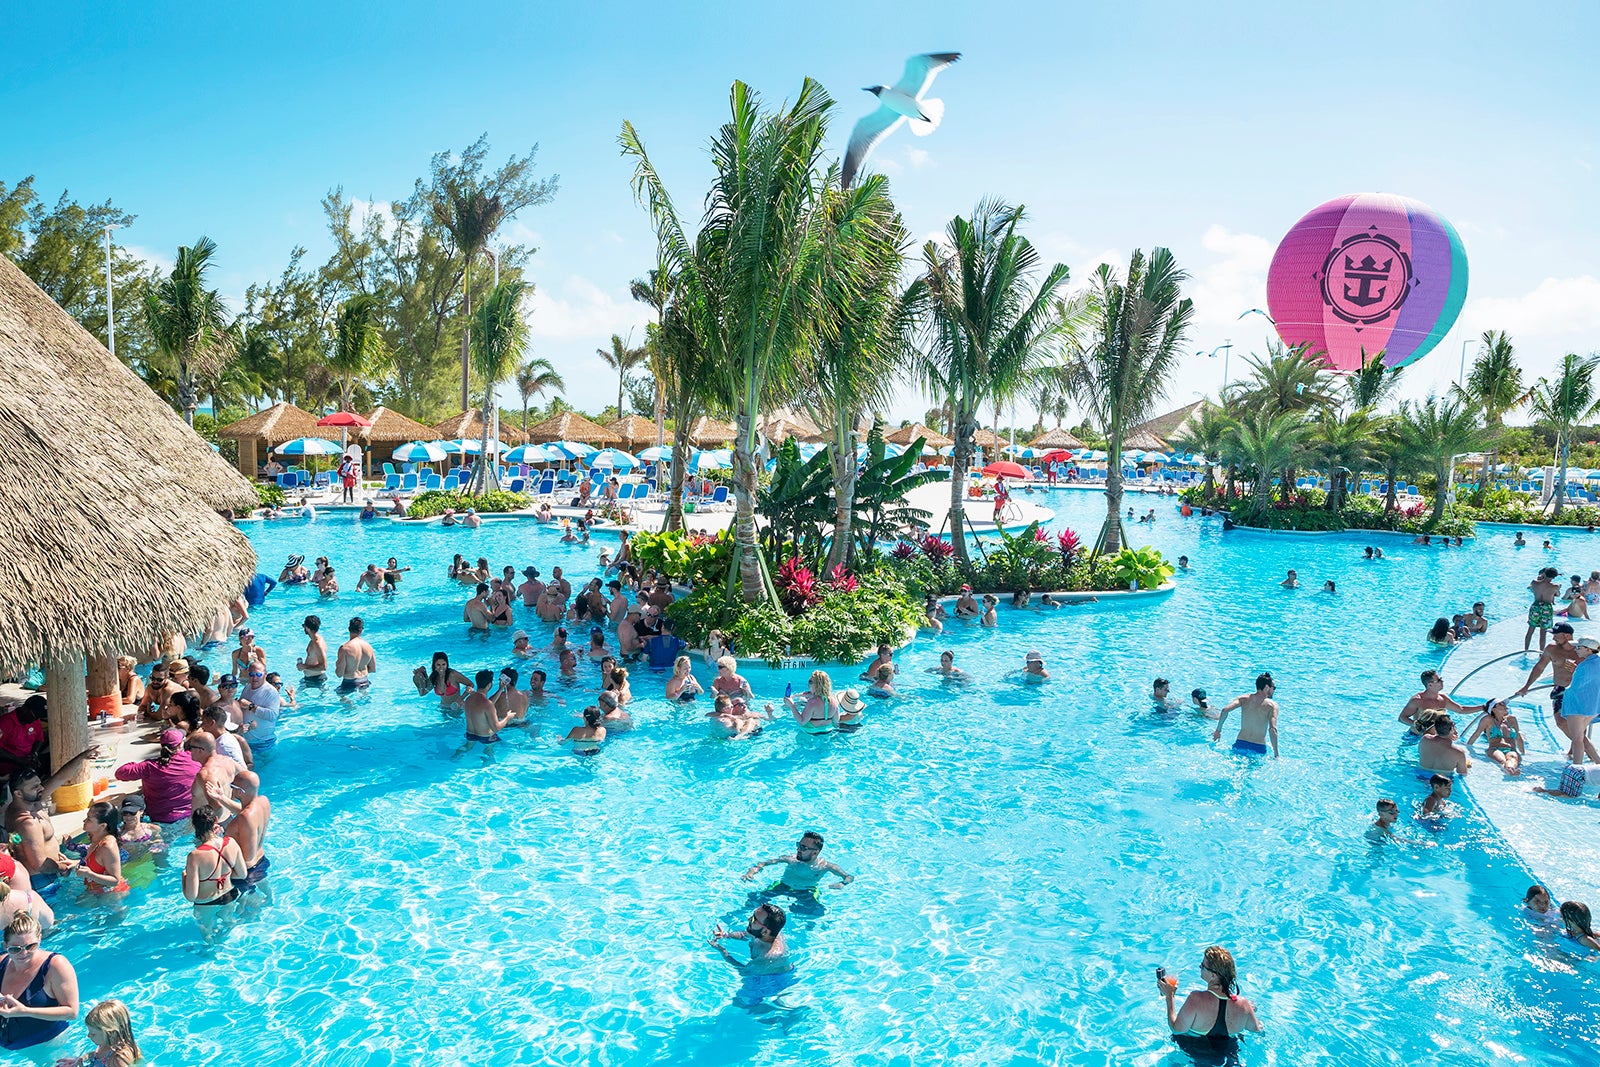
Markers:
{"x": 69, "y": 727}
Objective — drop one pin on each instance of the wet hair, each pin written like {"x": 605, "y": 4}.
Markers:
{"x": 821, "y": 681}
{"x": 312, "y": 623}
{"x": 204, "y": 820}
{"x": 592, "y": 716}
{"x": 433, "y": 668}
{"x": 356, "y": 626}
{"x": 1533, "y": 891}
{"x": 483, "y": 587}
{"x": 107, "y": 815}
{"x": 1438, "y": 780}
{"x": 1159, "y": 683}
{"x": 1443, "y": 724}
{"x": 1219, "y": 961}
{"x": 509, "y": 672}
{"x": 199, "y": 674}
{"x": 771, "y": 918}
{"x": 1430, "y": 676}
{"x": 111, "y": 1018}
{"x": 484, "y": 679}
{"x": 812, "y": 837}
{"x": 1441, "y": 627}
{"x": 539, "y": 675}
{"x": 1574, "y": 913}
{"x": 1385, "y": 804}
{"x": 1263, "y": 680}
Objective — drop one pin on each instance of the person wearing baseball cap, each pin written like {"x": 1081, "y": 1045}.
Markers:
{"x": 966, "y": 606}
{"x": 166, "y": 781}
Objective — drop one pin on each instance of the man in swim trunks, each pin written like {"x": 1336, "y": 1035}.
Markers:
{"x": 1581, "y": 704}
{"x": 1291, "y": 582}
{"x": 28, "y": 820}
{"x": 509, "y": 700}
{"x": 371, "y": 580}
{"x": 1561, "y": 655}
{"x": 769, "y": 953}
{"x": 355, "y": 660}
{"x": 484, "y": 720}
{"x": 561, "y": 583}
{"x": 476, "y": 612}
{"x": 1161, "y": 696}
{"x": 315, "y": 665}
{"x": 885, "y": 658}
{"x": 804, "y": 870}
{"x": 1258, "y": 719}
{"x": 1432, "y": 698}
{"x": 1542, "y": 611}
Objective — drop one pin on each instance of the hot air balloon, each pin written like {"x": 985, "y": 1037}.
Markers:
{"x": 1367, "y": 273}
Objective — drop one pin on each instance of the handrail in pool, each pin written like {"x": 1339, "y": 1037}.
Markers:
{"x": 1489, "y": 663}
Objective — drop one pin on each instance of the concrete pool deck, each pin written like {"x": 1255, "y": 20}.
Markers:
{"x": 1550, "y": 835}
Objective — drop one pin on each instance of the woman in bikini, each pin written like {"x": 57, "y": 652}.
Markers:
{"x": 101, "y": 869}
{"x": 1504, "y": 735}
{"x": 586, "y": 739}
{"x": 817, "y": 712}
{"x": 212, "y": 870}
{"x": 14, "y": 902}
{"x": 619, "y": 685}
{"x": 448, "y": 684}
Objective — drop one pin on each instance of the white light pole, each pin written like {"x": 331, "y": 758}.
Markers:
{"x": 111, "y": 317}
{"x": 1462, "y": 374}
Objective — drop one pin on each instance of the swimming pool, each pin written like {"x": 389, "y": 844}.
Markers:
{"x": 1025, "y": 858}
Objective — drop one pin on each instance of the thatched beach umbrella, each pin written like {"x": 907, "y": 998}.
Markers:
{"x": 571, "y": 426}
{"x": 1055, "y": 439}
{"x": 907, "y": 434}
{"x": 257, "y": 435}
{"x": 468, "y": 426}
{"x": 139, "y": 564}
{"x": 707, "y": 432}
{"x": 634, "y": 431}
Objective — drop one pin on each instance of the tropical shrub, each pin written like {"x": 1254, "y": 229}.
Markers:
{"x": 694, "y": 616}
{"x": 1069, "y": 545}
{"x": 762, "y": 631}
{"x": 937, "y": 549}
{"x": 270, "y": 495}
{"x": 1144, "y": 565}
{"x": 691, "y": 559}
{"x": 426, "y": 505}
{"x": 797, "y": 586}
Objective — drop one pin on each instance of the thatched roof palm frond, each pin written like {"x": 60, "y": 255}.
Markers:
{"x": 707, "y": 431}
{"x": 468, "y": 425}
{"x": 1057, "y": 438}
{"x": 571, "y": 426}
{"x": 634, "y": 430}
{"x": 907, "y": 434}
{"x": 76, "y": 430}
{"x": 1144, "y": 441}
{"x": 391, "y": 427}
{"x": 277, "y": 424}
{"x": 113, "y": 415}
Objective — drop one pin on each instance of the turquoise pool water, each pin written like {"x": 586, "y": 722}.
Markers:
{"x": 1025, "y": 857}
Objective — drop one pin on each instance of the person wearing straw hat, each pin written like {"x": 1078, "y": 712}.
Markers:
{"x": 852, "y": 710}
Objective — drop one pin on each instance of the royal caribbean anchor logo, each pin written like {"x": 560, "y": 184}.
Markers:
{"x": 1366, "y": 278}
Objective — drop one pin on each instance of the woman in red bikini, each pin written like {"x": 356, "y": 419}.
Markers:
{"x": 214, "y": 871}
{"x": 102, "y": 866}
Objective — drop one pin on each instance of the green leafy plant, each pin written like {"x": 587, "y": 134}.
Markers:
{"x": 270, "y": 495}
{"x": 427, "y": 505}
{"x": 693, "y": 559}
{"x": 1144, "y": 565}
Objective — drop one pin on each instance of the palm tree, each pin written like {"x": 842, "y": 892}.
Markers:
{"x": 535, "y": 378}
{"x": 753, "y": 281}
{"x": 689, "y": 375}
{"x": 1210, "y": 434}
{"x": 986, "y": 326}
{"x": 358, "y": 346}
{"x": 655, "y": 289}
{"x": 861, "y": 348}
{"x": 623, "y": 360}
{"x": 498, "y": 343}
{"x": 1285, "y": 379}
{"x": 1343, "y": 445}
{"x": 1438, "y": 431}
{"x": 1136, "y": 328}
{"x": 1268, "y": 443}
{"x": 1495, "y": 385}
{"x": 189, "y": 323}
{"x": 1563, "y": 404}
{"x": 471, "y": 215}
{"x": 1368, "y": 386}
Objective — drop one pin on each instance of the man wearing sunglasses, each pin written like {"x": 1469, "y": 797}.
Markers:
{"x": 260, "y": 701}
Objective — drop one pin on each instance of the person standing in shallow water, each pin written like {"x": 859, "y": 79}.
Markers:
{"x": 1215, "y": 1014}
{"x": 1258, "y": 719}
{"x": 1542, "y": 611}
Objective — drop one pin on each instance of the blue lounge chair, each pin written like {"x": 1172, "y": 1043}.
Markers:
{"x": 288, "y": 480}
{"x": 450, "y": 484}
{"x": 408, "y": 484}
{"x": 388, "y": 469}
{"x": 435, "y": 482}
{"x": 391, "y": 482}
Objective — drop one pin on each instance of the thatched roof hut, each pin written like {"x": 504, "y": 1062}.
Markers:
{"x": 785, "y": 423}
{"x": 76, "y": 430}
{"x": 1144, "y": 441}
{"x": 907, "y": 434}
{"x": 1165, "y": 428}
{"x": 635, "y": 431}
{"x": 707, "y": 431}
{"x": 1057, "y": 438}
{"x": 391, "y": 427}
{"x": 572, "y": 426}
{"x": 468, "y": 426}
{"x": 42, "y": 347}
{"x": 987, "y": 439}
{"x": 258, "y": 434}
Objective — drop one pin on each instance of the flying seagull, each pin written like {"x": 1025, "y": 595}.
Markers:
{"x": 896, "y": 105}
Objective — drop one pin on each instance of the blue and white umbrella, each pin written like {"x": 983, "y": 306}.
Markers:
{"x": 309, "y": 446}
{"x": 1156, "y": 457}
{"x": 808, "y": 449}
{"x": 461, "y": 447}
{"x": 614, "y": 458}
{"x": 530, "y": 454}
{"x": 894, "y": 450}
{"x": 572, "y": 449}
{"x": 712, "y": 459}
{"x": 657, "y": 454}
{"x": 947, "y": 450}
{"x": 419, "y": 452}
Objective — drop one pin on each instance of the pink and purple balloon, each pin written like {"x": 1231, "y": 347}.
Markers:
{"x": 1367, "y": 273}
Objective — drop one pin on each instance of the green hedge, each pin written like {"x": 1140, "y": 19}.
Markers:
{"x": 270, "y": 495}
{"x": 427, "y": 505}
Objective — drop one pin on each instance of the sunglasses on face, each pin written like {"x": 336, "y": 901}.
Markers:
{"x": 22, "y": 950}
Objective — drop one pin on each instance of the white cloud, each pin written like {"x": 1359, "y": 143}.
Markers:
{"x": 161, "y": 261}
{"x": 569, "y": 320}
{"x": 1555, "y": 309}
{"x": 917, "y": 157}
{"x": 362, "y": 210}
{"x": 1226, "y": 287}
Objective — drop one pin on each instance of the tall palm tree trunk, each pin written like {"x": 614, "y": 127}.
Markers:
{"x": 842, "y": 457}
{"x": 965, "y": 426}
{"x": 748, "y": 576}
{"x": 1561, "y": 471}
{"x": 1111, "y": 533}
{"x": 466, "y": 331}
{"x": 680, "y": 463}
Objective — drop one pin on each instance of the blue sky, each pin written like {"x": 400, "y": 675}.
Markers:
{"x": 1206, "y": 128}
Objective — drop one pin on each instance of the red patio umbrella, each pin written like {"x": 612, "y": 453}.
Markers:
{"x": 1058, "y": 455}
{"x": 1005, "y": 468}
{"x": 344, "y": 420}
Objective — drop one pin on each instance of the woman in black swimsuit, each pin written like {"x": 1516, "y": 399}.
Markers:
{"x": 1212, "y": 1016}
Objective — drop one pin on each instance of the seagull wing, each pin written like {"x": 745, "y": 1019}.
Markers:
{"x": 868, "y": 132}
{"x": 921, "y": 70}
